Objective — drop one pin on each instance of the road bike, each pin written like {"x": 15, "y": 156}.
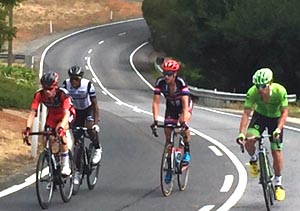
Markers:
{"x": 83, "y": 159}
{"x": 48, "y": 170}
{"x": 265, "y": 169}
{"x": 171, "y": 161}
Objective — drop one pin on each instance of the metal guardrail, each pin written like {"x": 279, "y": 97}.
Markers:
{"x": 213, "y": 97}
{"x": 16, "y": 56}
{"x": 214, "y": 94}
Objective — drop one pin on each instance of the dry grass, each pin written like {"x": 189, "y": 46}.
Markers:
{"x": 32, "y": 17}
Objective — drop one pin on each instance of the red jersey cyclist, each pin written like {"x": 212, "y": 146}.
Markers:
{"x": 60, "y": 113}
{"x": 178, "y": 104}
{"x": 269, "y": 102}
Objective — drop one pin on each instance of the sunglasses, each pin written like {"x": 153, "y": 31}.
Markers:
{"x": 261, "y": 86}
{"x": 169, "y": 74}
{"x": 75, "y": 78}
{"x": 49, "y": 88}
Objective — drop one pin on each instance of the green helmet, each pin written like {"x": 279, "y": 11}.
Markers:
{"x": 262, "y": 76}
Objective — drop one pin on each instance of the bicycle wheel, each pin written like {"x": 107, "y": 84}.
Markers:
{"x": 93, "y": 171}
{"x": 265, "y": 181}
{"x": 79, "y": 166}
{"x": 182, "y": 176}
{"x": 44, "y": 180}
{"x": 66, "y": 182}
{"x": 270, "y": 183}
{"x": 166, "y": 187}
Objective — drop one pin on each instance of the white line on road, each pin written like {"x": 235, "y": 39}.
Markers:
{"x": 215, "y": 150}
{"x": 228, "y": 180}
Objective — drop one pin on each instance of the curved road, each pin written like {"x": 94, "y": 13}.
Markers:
{"x": 129, "y": 177}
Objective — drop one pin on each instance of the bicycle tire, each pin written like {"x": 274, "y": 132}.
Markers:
{"x": 165, "y": 167}
{"x": 182, "y": 176}
{"x": 265, "y": 181}
{"x": 66, "y": 182}
{"x": 79, "y": 166}
{"x": 182, "y": 170}
{"x": 270, "y": 176}
{"x": 44, "y": 179}
{"x": 93, "y": 171}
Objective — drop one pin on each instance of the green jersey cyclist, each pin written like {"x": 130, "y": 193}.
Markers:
{"x": 269, "y": 102}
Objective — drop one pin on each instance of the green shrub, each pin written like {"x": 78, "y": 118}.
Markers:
{"x": 17, "y": 85}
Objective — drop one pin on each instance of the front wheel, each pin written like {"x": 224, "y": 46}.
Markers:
{"x": 66, "y": 182}
{"x": 44, "y": 180}
{"x": 182, "y": 176}
{"x": 166, "y": 172}
{"x": 93, "y": 172}
{"x": 266, "y": 181}
{"x": 79, "y": 166}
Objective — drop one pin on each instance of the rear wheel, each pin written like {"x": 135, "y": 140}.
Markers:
{"x": 44, "y": 180}
{"x": 93, "y": 172}
{"x": 66, "y": 182}
{"x": 166, "y": 186}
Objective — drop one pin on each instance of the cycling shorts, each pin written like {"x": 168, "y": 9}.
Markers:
{"x": 260, "y": 123}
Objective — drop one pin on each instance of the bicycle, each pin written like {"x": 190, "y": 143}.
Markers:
{"x": 265, "y": 169}
{"x": 48, "y": 170}
{"x": 83, "y": 159}
{"x": 171, "y": 161}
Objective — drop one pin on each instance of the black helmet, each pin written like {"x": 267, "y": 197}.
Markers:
{"x": 49, "y": 79}
{"x": 75, "y": 71}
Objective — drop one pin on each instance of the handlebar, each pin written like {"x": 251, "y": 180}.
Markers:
{"x": 79, "y": 128}
{"x": 154, "y": 128}
{"x": 44, "y": 133}
{"x": 257, "y": 138}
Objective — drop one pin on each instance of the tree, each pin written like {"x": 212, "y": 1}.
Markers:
{"x": 226, "y": 41}
{"x": 8, "y": 32}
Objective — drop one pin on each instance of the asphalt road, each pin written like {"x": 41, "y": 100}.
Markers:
{"x": 131, "y": 155}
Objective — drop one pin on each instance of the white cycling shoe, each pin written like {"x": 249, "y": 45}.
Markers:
{"x": 66, "y": 170}
{"x": 77, "y": 178}
{"x": 97, "y": 156}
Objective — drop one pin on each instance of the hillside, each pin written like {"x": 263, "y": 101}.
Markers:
{"x": 33, "y": 17}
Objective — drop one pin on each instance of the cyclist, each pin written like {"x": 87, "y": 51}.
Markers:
{"x": 60, "y": 113}
{"x": 178, "y": 105}
{"x": 84, "y": 98}
{"x": 269, "y": 102}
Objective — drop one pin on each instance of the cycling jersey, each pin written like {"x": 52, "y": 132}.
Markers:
{"x": 173, "y": 101}
{"x": 82, "y": 95}
{"x": 56, "y": 105}
{"x": 271, "y": 109}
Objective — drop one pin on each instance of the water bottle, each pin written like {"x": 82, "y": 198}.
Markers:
{"x": 178, "y": 155}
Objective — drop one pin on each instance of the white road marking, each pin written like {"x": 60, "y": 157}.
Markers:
{"x": 228, "y": 180}
{"x": 215, "y": 150}
{"x": 207, "y": 208}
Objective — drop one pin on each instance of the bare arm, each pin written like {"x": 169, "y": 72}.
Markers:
{"x": 155, "y": 107}
{"x": 30, "y": 118}
{"x": 245, "y": 120}
{"x": 95, "y": 110}
{"x": 65, "y": 120}
{"x": 282, "y": 120}
{"x": 185, "y": 105}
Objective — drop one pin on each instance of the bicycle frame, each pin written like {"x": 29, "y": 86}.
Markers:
{"x": 48, "y": 171}
{"x": 85, "y": 167}
{"x": 266, "y": 171}
{"x": 170, "y": 163}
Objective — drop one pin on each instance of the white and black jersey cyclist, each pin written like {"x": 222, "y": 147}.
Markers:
{"x": 84, "y": 98}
